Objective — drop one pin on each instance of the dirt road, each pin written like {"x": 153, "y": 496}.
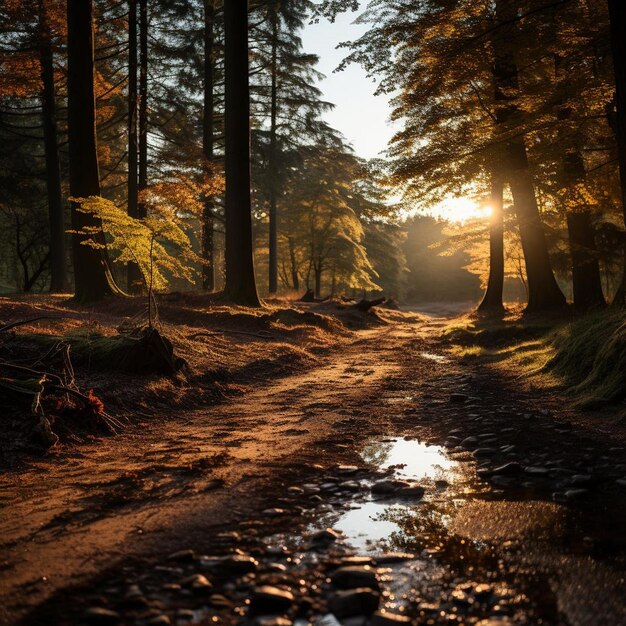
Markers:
{"x": 527, "y": 504}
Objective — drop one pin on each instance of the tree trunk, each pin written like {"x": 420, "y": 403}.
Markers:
{"x": 240, "y": 279}
{"x": 544, "y": 292}
{"x": 89, "y": 265}
{"x": 617, "y": 15}
{"x": 134, "y": 274}
{"x": 208, "y": 245}
{"x": 58, "y": 260}
{"x": 317, "y": 270}
{"x": 295, "y": 279}
{"x": 586, "y": 279}
{"x": 142, "y": 122}
{"x": 273, "y": 170}
{"x": 492, "y": 300}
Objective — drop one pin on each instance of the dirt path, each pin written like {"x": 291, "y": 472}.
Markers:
{"x": 62, "y": 519}
{"x": 189, "y": 482}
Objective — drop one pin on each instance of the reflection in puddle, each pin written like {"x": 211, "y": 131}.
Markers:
{"x": 419, "y": 460}
{"x": 373, "y": 525}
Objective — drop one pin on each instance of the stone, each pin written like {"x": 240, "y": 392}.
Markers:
{"x": 325, "y": 537}
{"x": 394, "y": 557}
{"x": 159, "y": 620}
{"x": 182, "y": 556}
{"x": 270, "y": 600}
{"x": 272, "y": 621}
{"x": 275, "y": 512}
{"x": 197, "y": 583}
{"x": 388, "y": 619}
{"x": 458, "y": 398}
{"x": 483, "y": 452}
{"x": 240, "y": 564}
{"x": 363, "y": 601}
{"x": 412, "y": 490}
{"x": 508, "y": 469}
{"x": 353, "y": 577}
{"x": 99, "y": 615}
{"x": 536, "y": 471}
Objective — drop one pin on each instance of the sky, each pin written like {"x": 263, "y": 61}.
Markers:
{"x": 358, "y": 114}
{"x": 361, "y": 116}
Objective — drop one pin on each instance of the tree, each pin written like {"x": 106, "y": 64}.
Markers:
{"x": 58, "y": 260}
{"x": 90, "y": 277}
{"x": 617, "y": 16}
{"x": 240, "y": 279}
{"x": 492, "y": 300}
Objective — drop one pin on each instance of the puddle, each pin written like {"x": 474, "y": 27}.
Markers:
{"x": 412, "y": 459}
{"x": 374, "y": 526}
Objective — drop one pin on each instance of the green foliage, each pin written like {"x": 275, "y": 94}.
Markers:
{"x": 157, "y": 244}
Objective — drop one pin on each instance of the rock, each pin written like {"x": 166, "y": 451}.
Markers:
{"x": 197, "y": 583}
{"x": 356, "y": 560}
{"x": 159, "y": 620}
{"x": 98, "y": 615}
{"x": 621, "y": 481}
{"x": 412, "y": 490}
{"x": 270, "y": 600}
{"x": 483, "y": 452}
{"x": 325, "y": 537}
{"x": 327, "y": 620}
{"x": 386, "y": 486}
{"x": 362, "y": 601}
{"x": 272, "y": 621}
{"x": 275, "y": 512}
{"x": 353, "y": 577}
{"x": 536, "y": 471}
{"x": 458, "y": 398}
{"x": 469, "y": 442}
{"x": 394, "y": 557}
{"x": 575, "y": 494}
{"x": 350, "y": 485}
{"x": 580, "y": 479}
{"x": 185, "y": 615}
{"x": 347, "y": 470}
{"x": 388, "y": 619}
{"x": 240, "y": 564}
{"x": 182, "y": 556}
{"x": 508, "y": 469}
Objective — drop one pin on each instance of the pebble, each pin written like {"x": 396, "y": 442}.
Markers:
{"x": 354, "y": 602}
{"x": 394, "y": 557}
{"x": 160, "y": 620}
{"x": 275, "y": 512}
{"x": 354, "y": 577}
{"x": 325, "y": 537}
{"x": 268, "y": 599}
{"x": 508, "y": 469}
{"x": 388, "y": 619}
{"x": 458, "y": 397}
{"x": 240, "y": 564}
{"x": 98, "y": 615}
{"x": 197, "y": 582}
{"x": 482, "y": 452}
{"x": 183, "y": 556}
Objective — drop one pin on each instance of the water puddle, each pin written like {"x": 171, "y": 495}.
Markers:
{"x": 374, "y": 525}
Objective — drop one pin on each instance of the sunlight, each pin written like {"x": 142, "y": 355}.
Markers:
{"x": 460, "y": 209}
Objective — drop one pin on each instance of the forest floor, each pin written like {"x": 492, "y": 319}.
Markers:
{"x": 458, "y": 492}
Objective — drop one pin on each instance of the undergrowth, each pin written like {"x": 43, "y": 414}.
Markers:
{"x": 587, "y": 355}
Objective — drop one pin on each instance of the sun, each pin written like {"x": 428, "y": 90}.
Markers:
{"x": 460, "y": 209}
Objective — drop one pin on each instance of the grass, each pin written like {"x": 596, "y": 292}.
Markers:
{"x": 586, "y": 356}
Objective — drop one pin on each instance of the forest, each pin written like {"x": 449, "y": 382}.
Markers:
{"x": 254, "y": 373}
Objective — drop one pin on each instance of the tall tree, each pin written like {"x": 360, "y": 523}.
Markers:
{"x": 240, "y": 280}
{"x": 492, "y": 300}
{"x": 58, "y": 260}
{"x": 617, "y": 16}
{"x": 208, "y": 140}
{"x": 89, "y": 267}
{"x": 134, "y": 273}
{"x": 543, "y": 290}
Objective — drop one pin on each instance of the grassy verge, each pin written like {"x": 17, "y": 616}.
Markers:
{"x": 587, "y": 356}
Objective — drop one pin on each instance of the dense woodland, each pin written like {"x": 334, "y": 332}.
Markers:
{"x": 182, "y": 145}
